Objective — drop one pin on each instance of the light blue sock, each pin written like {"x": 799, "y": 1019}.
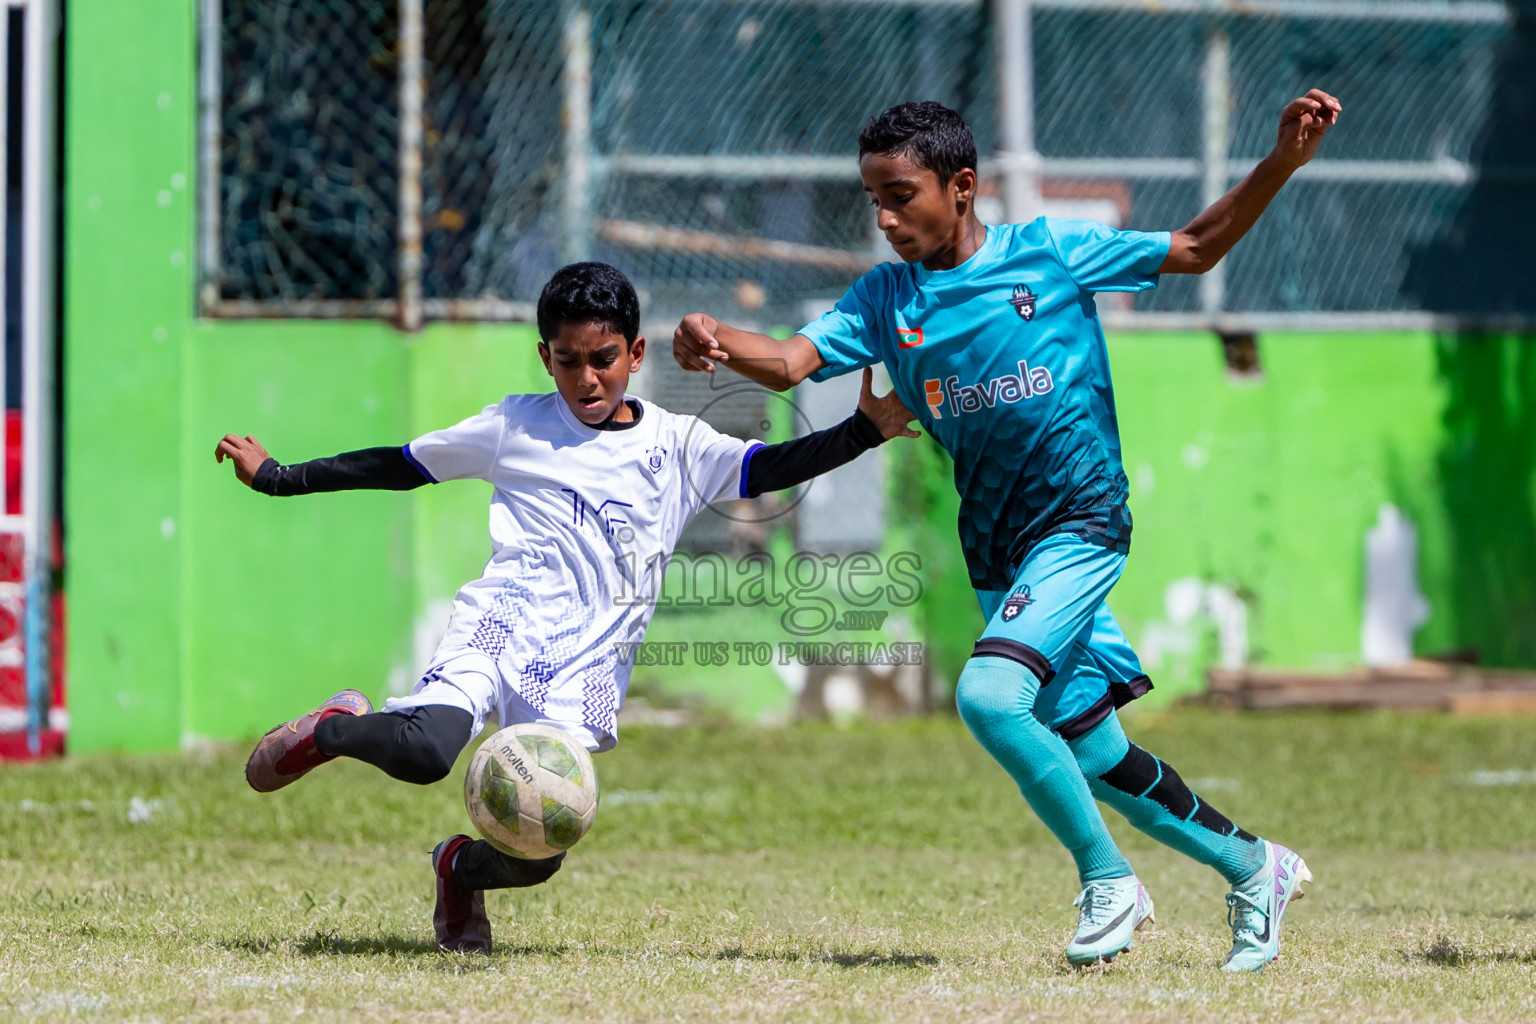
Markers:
{"x": 996, "y": 698}
{"x": 1153, "y": 798}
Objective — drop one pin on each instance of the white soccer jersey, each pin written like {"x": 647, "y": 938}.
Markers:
{"x": 582, "y": 522}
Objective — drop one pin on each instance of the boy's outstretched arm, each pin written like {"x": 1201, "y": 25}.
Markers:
{"x": 1202, "y": 243}
{"x": 382, "y": 469}
{"x": 777, "y": 466}
{"x": 700, "y": 341}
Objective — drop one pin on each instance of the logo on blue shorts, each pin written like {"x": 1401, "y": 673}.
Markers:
{"x": 1016, "y": 602}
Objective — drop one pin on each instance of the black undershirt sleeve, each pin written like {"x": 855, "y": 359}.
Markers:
{"x": 379, "y": 469}
{"x": 777, "y": 466}
{"x": 771, "y": 468}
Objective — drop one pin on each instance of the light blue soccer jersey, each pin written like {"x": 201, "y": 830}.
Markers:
{"x": 1003, "y": 360}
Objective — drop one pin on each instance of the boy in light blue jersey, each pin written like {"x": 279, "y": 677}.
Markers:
{"x": 992, "y": 336}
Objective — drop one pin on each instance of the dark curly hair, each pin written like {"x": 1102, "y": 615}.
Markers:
{"x": 927, "y": 133}
{"x": 589, "y": 293}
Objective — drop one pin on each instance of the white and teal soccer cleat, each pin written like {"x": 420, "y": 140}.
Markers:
{"x": 1256, "y": 908}
{"x": 1109, "y": 913}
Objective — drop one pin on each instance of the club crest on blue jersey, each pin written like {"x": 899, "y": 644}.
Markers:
{"x": 1023, "y": 301}
{"x": 654, "y": 458}
{"x": 1017, "y": 602}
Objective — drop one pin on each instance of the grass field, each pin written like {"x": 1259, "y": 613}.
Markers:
{"x": 810, "y": 874}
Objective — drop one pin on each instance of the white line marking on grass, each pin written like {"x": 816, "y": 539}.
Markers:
{"x": 43, "y": 807}
{"x": 137, "y": 810}
{"x": 644, "y": 797}
{"x": 1214, "y": 785}
{"x": 268, "y": 982}
{"x": 654, "y": 797}
{"x": 141, "y": 810}
{"x": 49, "y": 1004}
{"x": 1511, "y": 778}
{"x": 264, "y": 981}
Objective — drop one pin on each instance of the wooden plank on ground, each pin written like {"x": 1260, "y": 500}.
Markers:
{"x": 1419, "y": 685}
{"x": 1495, "y": 702}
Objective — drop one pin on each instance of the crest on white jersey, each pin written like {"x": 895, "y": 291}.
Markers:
{"x": 655, "y": 457}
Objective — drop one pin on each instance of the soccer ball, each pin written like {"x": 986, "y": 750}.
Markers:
{"x": 531, "y": 791}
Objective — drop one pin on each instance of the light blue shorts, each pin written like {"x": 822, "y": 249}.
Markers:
{"x": 1054, "y": 621}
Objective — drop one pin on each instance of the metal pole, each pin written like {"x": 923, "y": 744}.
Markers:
{"x": 1017, "y": 158}
{"x": 5, "y": 228}
{"x": 1216, "y": 133}
{"x": 1463, "y": 12}
{"x": 411, "y": 32}
{"x": 211, "y": 97}
{"x": 37, "y": 347}
{"x": 576, "y": 121}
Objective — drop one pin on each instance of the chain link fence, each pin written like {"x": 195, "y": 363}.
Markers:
{"x": 492, "y": 148}
{"x": 306, "y": 153}
{"x": 1418, "y": 84}
{"x": 707, "y": 148}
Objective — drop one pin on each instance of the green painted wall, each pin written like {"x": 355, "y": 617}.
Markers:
{"x": 200, "y": 610}
{"x": 1267, "y": 486}
{"x": 1484, "y": 562}
{"x": 127, "y": 286}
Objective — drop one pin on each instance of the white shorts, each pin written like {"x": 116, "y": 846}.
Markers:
{"x": 470, "y": 681}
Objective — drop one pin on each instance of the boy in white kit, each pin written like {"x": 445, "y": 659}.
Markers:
{"x": 592, "y": 492}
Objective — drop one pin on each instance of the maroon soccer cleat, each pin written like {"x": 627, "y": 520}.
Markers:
{"x": 288, "y": 752}
{"x": 459, "y": 916}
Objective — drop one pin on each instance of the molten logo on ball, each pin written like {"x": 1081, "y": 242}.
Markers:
{"x": 531, "y": 791}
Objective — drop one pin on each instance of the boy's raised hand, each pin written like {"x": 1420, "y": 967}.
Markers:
{"x": 1302, "y": 124}
{"x": 694, "y": 344}
{"x": 888, "y": 413}
{"x": 245, "y": 452}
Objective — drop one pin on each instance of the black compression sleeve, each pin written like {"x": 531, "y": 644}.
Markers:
{"x": 379, "y": 469}
{"x": 417, "y": 746}
{"x": 778, "y": 466}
